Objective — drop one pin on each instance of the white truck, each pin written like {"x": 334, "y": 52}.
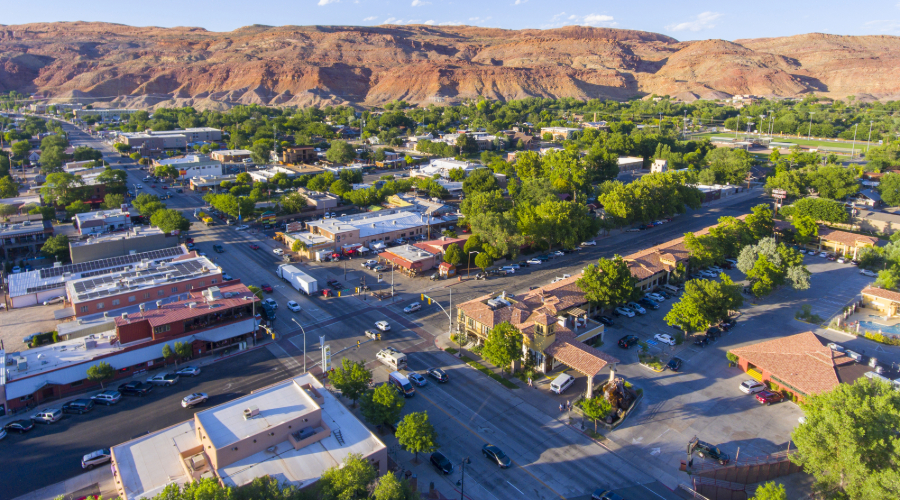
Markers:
{"x": 298, "y": 279}
{"x": 393, "y": 358}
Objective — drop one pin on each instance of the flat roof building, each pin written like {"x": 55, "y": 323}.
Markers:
{"x": 25, "y": 237}
{"x": 560, "y": 133}
{"x": 630, "y": 163}
{"x": 204, "y": 183}
{"x": 294, "y": 430}
{"x": 191, "y": 166}
{"x": 230, "y": 155}
{"x": 266, "y": 174}
{"x": 135, "y": 240}
{"x": 103, "y": 221}
{"x": 299, "y": 154}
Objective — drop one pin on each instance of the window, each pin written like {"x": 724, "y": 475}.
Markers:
{"x": 115, "y": 302}
{"x": 100, "y": 305}
{"x": 147, "y": 295}
{"x": 84, "y": 309}
{"x": 76, "y": 384}
{"x": 160, "y": 292}
{"x": 162, "y": 328}
{"x": 202, "y": 283}
{"x": 213, "y": 281}
{"x": 471, "y": 323}
{"x": 131, "y": 299}
{"x": 174, "y": 289}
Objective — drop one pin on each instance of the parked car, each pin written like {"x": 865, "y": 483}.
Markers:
{"x": 227, "y": 277}
{"x": 534, "y": 261}
{"x": 382, "y": 325}
{"x": 496, "y": 455}
{"x": 266, "y": 288}
{"x": 188, "y": 371}
{"x": 866, "y": 272}
{"x": 508, "y": 270}
{"x": 379, "y": 268}
{"x": 674, "y": 364}
{"x": 163, "y": 379}
{"x": 95, "y": 458}
{"x": 751, "y": 386}
{"x": 590, "y": 243}
{"x": 634, "y": 306}
{"x": 704, "y": 450}
{"x": 271, "y": 303}
{"x": 658, "y": 297}
{"x": 707, "y": 273}
{"x": 415, "y": 306}
{"x": 417, "y": 379}
{"x": 194, "y": 399}
{"x": 47, "y": 416}
{"x": 278, "y": 251}
{"x": 649, "y": 303}
{"x": 824, "y": 255}
{"x": 701, "y": 341}
{"x": 20, "y": 426}
{"x": 441, "y": 463}
{"x": 79, "y": 406}
{"x": 135, "y": 388}
{"x": 242, "y": 228}
{"x": 768, "y": 397}
{"x": 715, "y": 269}
{"x": 665, "y": 338}
{"x": 293, "y": 306}
{"x": 558, "y": 253}
{"x": 108, "y": 397}
{"x": 370, "y": 263}
{"x": 628, "y": 341}
{"x": 438, "y": 374}
{"x": 623, "y": 311}
{"x": 606, "y": 320}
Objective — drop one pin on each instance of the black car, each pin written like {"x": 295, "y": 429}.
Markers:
{"x": 628, "y": 341}
{"x": 19, "y": 426}
{"x": 674, "y": 364}
{"x": 438, "y": 374}
{"x": 135, "y": 389}
{"x": 728, "y": 325}
{"x": 701, "y": 341}
{"x": 441, "y": 463}
{"x": 606, "y": 320}
{"x": 707, "y": 450}
{"x": 713, "y": 333}
{"x": 605, "y": 495}
{"x": 78, "y": 406}
{"x": 496, "y": 455}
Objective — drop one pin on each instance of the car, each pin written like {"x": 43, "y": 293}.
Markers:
{"x": 266, "y": 288}
{"x": 634, "y": 306}
{"x": 2, "y": 433}
{"x": 534, "y": 261}
{"x": 278, "y": 251}
{"x": 415, "y": 306}
{"x": 590, "y": 243}
{"x": 29, "y": 338}
{"x": 632, "y": 230}
{"x": 606, "y": 320}
{"x": 438, "y": 374}
{"x": 47, "y": 416}
{"x": 701, "y": 341}
{"x": 831, "y": 257}
{"x": 866, "y": 272}
{"x": 108, "y": 397}
{"x": 824, "y": 255}
{"x": 95, "y": 458}
{"x": 382, "y": 325}
{"x": 417, "y": 379}
{"x": 751, "y": 386}
{"x": 218, "y": 249}
{"x": 16, "y": 270}
{"x": 293, "y": 306}
{"x": 188, "y": 371}
{"x": 835, "y": 347}
{"x": 379, "y": 268}
{"x": 713, "y": 333}
{"x": 20, "y": 426}
{"x": 194, "y": 399}
{"x": 623, "y": 311}
{"x": 166, "y": 187}
{"x": 628, "y": 341}
{"x": 135, "y": 388}
{"x": 658, "y": 297}
{"x": 674, "y": 364}
{"x": 138, "y": 186}
{"x": 842, "y": 260}
{"x": 226, "y": 277}
{"x": 79, "y": 406}
{"x": 271, "y": 303}
{"x": 163, "y": 379}
{"x": 649, "y": 303}
{"x": 254, "y": 246}
{"x": 243, "y": 227}
{"x": 768, "y": 397}
{"x": 508, "y": 270}
{"x": 706, "y": 273}
{"x": 704, "y": 450}
{"x": 716, "y": 269}
{"x": 496, "y": 455}
{"x": 605, "y": 495}
{"x": 665, "y": 338}
{"x": 369, "y": 263}
{"x": 558, "y": 253}
{"x": 441, "y": 463}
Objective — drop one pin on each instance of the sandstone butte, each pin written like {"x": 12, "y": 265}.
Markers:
{"x": 321, "y": 65}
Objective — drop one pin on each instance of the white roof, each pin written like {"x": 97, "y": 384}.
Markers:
{"x": 232, "y": 152}
{"x": 150, "y": 463}
{"x": 625, "y": 160}
{"x": 188, "y": 159}
{"x": 374, "y": 223}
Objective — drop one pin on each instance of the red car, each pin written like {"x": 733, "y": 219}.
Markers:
{"x": 768, "y": 397}
{"x": 254, "y": 246}
{"x": 189, "y": 240}
{"x": 164, "y": 187}
{"x": 153, "y": 185}
{"x": 266, "y": 288}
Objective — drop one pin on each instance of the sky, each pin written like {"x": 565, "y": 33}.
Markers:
{"x": 694, "y": 20}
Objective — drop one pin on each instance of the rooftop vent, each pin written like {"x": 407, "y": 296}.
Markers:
{"x": 125, "y": 316}
{"x": 251, "y": 412}
{"x": 158, "y": 304}
{"x": 142, "y": 307}
{"x": 57, "y": 264}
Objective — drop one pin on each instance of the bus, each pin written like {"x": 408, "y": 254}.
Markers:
{"x": 402, "y": 384}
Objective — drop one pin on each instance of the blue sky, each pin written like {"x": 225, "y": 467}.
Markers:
{"x": 682, "y": 20}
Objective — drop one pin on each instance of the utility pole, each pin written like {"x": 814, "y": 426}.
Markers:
{"x": 870, "y": 136}
{"x": 462, "y": 480}
{"x": 304, "y": 343}
{"x": 809, "y": 133}
{"x": 853, "y": 151}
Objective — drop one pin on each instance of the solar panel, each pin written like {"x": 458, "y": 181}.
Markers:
{"x": 111, "y": 262}
{"x": 49, "y": 286}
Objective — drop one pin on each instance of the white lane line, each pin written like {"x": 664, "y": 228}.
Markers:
{"x": 517, "y": 489}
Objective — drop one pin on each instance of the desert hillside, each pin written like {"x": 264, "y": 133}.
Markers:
{"x": 318, "y": 65}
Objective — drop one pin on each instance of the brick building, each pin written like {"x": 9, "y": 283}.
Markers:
{"x": 299, "y": 154}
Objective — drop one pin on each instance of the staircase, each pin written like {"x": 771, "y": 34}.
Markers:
{"x": 337, "y": 435}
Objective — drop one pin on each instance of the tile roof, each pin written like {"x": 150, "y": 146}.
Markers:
{"x": 845, "y": 238}
{"x": 801, "y": 361}
{"x": 181, "y": 310}
{"x": 881, "y": 293}
{"x": 578, "y": 355}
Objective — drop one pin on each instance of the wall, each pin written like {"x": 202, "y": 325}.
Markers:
{"x": 117, "y": 248}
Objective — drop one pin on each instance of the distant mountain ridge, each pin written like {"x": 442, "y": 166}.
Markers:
{"x": 320, "y": 65}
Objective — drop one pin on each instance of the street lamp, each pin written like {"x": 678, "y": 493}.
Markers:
{"x": 469, "y": 265}
{"x": 809, "y": 132}
{"x": 462, "y": 480}
{"x": 853, "y": 150}
{"x": 870, "y": 137}
{"x": 304, "y": 344}
{"x": 449, "y": 316}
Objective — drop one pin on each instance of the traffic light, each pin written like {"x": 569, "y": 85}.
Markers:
{"x": 378, "y": 336}
{"x": 422, "y": 297}
{"x": 357, "y": 344}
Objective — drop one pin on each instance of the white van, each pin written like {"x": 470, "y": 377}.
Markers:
{"x": 670, "y": 288}
{"x": 561, "y": 383}
{"x": 402, "y": 384}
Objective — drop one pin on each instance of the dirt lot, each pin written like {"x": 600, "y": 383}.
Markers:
{"x": 17, "y": 323}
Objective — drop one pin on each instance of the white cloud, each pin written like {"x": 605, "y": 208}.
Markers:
{"x": 370, "y": 18}
{"x": 450, "y": 23}
{"x": 429, "y": 22}
{"x": 703, "y": 21}
{"x": 520, "y": 2}
{"x": 562, "y": 19}
{"x": 394, "y": 20}
{"x": 479, "y": 19}
{"x": 326, "y": 2}
{"x": 598, "y": 20}
{"x": 416, "y": 3}
{"x": 885, "y": 25}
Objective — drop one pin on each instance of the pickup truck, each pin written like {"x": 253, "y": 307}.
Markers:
{"x": 209, "y": 221}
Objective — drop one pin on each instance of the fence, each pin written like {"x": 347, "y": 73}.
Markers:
{"x": 751, "y": 470}
{"x": 719, "y": 490}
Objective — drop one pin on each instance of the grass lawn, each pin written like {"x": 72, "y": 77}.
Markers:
{"x": 838, "y": 146}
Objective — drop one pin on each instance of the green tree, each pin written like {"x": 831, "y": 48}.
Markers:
{"x": 890, "y": 188}
{"x": 389, "y": 487}
{"x": 479, "y": 181}
{"x": 299, "y": 246}
{"x": 596, "y": 408}
{"x": 144, "y": 199}
{"x": 52, "y": 159}
{"x": 473, "y": 244}
{"x": 340, "y": 152}
{"x": 182, "y": 350}
{"x": 293, "y": 203}
{"x": 382, "y": 406}
{"x": 57, "y": 247}
{"x": 770, "y": 491}
{"x": 255, "y": 291}
{"x": 260, "y": 150}
{"x": 48, "y": 213}
{"x": 834, "y": 182}
{"x": 760, "y": 222}
{"x": 101, "y": 372}
{"x": 168, "y": 220}
{"x": 84, "y": 153}
{"x": 7, "y": 210}
{"x": 61, "y": 188}
{"x": 503, "y": 344}
{"x": 483, "y": 261}
{"x": 819, "y": 209}
{"x": 20, "y": 149}
{"x": 566, "y": 171}
{"x": 135, "y": 156}
{"x": 608, "y": 283}
{"x": 348, "y": 481}
{"x": 769, "y": 264}
{"x": 8, "y": 188}
{"x": 148, "y": 209}
{"x": 889, "y": 278}
{"x": 244, "y": 178}
{"x": 121, "y": 147}
{"x": 794, "y": 182}
{"x": 850, "y": 441}
{"x": 705, "y": 302}
{"x": 77, "y": 207}
{"x": 452, "y": 255}
{"x": 416, "y": 434}
{"x": 806, "y": 229}
{"x": 352, "y": 379}
{"x": 112, "y": 200}
{"x": 457, "y": 175}
{"x": 166, "y": 352}
{"x": 340, "y": 187}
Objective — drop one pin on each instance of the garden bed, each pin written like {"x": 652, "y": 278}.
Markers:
{"x": 650, "y": 361}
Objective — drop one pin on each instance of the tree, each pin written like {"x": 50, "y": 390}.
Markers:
{"x": 416, "y": 434}
{"x": 596, "y": 408}
{"x": 168, "y": 220}
{"x": 503, "y": 344}
{"x": 255, "y": 291}
{"x": 7, "y": 210}
{"x": 483, "y": 261}
{"x": 121, "y": 147}
{"x": 112, "y": 200}
{"x": 473, "y": 244}
{"x": 101, "y": 372}
{"x": 77, "y": 207}
{"x": 769, "y": 265}
{"x": 8, "y": 188}
{"x": 20, "y": 149}
{"x": 566, "y": 171}
{"x": 57, "y": 247}
{"x": 148, "y": 209}
{"x": 143, "y": 199}
{"x": 704, "y": 303}
{"x": 299, "y": 246}
{"x": 244, "y": 178}
{"x": 135, "y": 156}
{"x": 382, "y": 406}
{"x": 457, "y": 174}
{"x": 849, "y": 441}
{"x": 770, "y": 491}
{"x": 479, "y": 181}
{"x": 352, "y": 379}
{"x": 340, "y": 187}
{"x": 608, "y": 283}
{"x": 760, "y": 222}
{"x": 820, "y": 209}
{"x": 51, "y": 159}
{"x": 260, "y": 150}
{"x": 890, "y": 188}
{"x": 182, "y": 350}
{"x": 61, "y": 188}
{"x": 805, "y": 228}
{"x": 340, "y": 152}
{"x": 348, "y": 481}
{"x": 293, "y": 203}
{"x": 794, "y": 182}
{"x": 84, "y": 153}
{"x": 390, "y": 487}
{"x": 834, "y": 182}
{"x": 166, "y": 352}
{"x": 452, "y": 255}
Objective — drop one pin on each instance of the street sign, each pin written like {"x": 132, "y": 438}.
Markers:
{"x": 779, "y": 194}
{"x": 326, "y": 358}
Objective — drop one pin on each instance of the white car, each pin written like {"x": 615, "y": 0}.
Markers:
{"x": 278, "y": 251}
{"x": 841, "y": 260}
{"x": 194, "y": 399}
{"x": 271, "y": 302}
{"x": 382, "y": 325}
{"x": 508, "y": 269}
{"x": 823, "y": 254}
{"x": 138, "y": 186}
{"x": 534, "y": 261}
{"x": 866, "y": 272}
{"x": 634, "y": 306}
{"x": 94, "y": 459}
{"x": 751, "y": 386}
{"x": 655, "y": 296}
{"x": 665, "y": 338}
{"x": 802, "y": 251}
{"x": 591, "y": 243}
{"x": 716, "y": 269}
{"x": 164, "y": 379}
{"x": 624, "y": 311}
{"x": 415, "y": 306}
{"x": 188, "y": 371}
{"x": 242, "y": 228}
{"x": 558, "y": 253}
{"x": 708, "y": 274}
{"x": 293, "y": 306}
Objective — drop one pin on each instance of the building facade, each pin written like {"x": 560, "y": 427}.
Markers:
{"x": 102, "y": 221}
{"x": 19, "y": 240}
{"x": 230, "y": 155}
{"x": 299, "y": 154}
{"x": 191, "y": 166}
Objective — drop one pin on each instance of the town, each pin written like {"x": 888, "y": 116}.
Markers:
{"x": 488, "y": 300}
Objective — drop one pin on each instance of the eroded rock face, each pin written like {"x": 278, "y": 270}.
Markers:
{"x": 319, "y": 65}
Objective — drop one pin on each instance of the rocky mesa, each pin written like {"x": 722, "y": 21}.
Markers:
{"x": 320, "y": 65}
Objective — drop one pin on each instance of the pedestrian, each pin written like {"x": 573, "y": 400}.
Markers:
{"x": 560, "y": 408}
{"x": 529, "y": 382}
{"x": 568, "y": 405}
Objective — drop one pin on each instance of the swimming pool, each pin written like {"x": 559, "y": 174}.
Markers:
{"x": 875, "y": 327}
